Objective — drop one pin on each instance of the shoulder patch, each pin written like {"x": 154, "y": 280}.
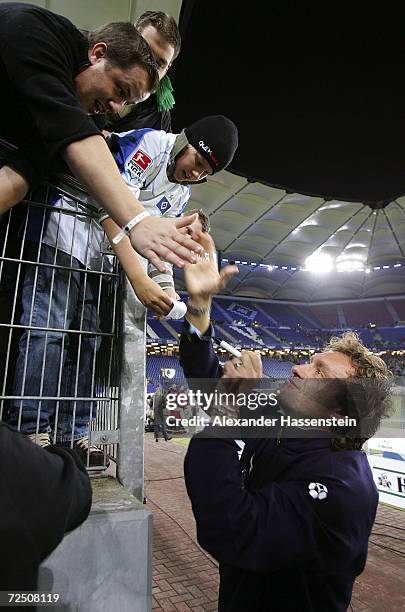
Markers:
{"x": 139, "y": 163}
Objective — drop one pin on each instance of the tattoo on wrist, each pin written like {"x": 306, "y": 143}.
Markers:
{"x": 197, "y": 311}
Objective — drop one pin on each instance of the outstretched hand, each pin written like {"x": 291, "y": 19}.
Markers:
{"x": 202, "y": 279}
{"x": 160, "y": 238}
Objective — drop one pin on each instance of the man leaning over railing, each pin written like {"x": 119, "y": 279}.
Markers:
{"x": 52, "y": 78}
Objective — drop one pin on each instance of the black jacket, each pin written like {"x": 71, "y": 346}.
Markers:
{"x": 279, "y": 548}
{"x": 144, "y": 114}
{"x": 44, "y": 494}
{"x": 40, "y": 55}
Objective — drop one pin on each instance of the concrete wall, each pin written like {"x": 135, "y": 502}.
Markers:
{"x": 132, "y": 393}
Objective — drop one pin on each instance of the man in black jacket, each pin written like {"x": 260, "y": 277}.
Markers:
{"x": 52, "y": 78}
{"x": 44, "y": 494}
{"x": 163, "y": 37}
{"x": 289, "y": 523}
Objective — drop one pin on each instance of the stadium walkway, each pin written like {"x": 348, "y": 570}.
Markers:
{"x": 186, "y": 578}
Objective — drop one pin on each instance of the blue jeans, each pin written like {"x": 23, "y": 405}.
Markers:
{"x": 56, "y": 363}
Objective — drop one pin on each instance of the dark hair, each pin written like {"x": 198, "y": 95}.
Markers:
{"x": 165, "y": 25}
{"x": 125, "y": 48}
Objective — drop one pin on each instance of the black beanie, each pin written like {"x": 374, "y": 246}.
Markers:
{"x": 216, "y": 138}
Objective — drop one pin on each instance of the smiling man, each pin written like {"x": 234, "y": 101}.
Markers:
{"x": 52, "y": 77}
{"x": 289, "y": 522}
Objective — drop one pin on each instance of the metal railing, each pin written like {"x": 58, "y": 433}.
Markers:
{"x": 60, "y": 322}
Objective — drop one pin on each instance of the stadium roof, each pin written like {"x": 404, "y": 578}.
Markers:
{"x": 318, "y": 95}
{"x": 264, "y": 226}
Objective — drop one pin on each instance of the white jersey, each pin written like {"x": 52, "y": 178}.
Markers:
{"x": 142, "y": 157}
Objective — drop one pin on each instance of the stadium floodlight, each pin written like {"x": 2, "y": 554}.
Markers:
{"x": 350, "y": 264}
{"x": 319, "y": 263}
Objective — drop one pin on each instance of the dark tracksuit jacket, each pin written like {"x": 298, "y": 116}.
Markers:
{"x": 279, "y": 549}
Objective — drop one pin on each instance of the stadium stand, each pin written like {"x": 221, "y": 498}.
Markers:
{"x": 275, "y": 368}
{"x": 284, "y": 328}
{"x": 373, "y": 312}
{"x": 399, "y": 306}
{"x": 327, "y": 315}
{"x": 393, "y": 337}
{"x": 162, "y": 332}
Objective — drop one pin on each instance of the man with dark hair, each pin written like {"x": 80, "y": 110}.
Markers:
{"x": 166, "y": 26}
{"x": 289, "y": 522}
{"x": 163, "y": 37}
{"x": 52, "y": 78}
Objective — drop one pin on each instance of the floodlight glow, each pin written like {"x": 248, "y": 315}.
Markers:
{"x": 350, "y": 261}
{"x": 320, "y": 263}
{"x": 350, "y": 265}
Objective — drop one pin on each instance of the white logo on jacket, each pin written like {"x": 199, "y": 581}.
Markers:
{"x": 317, "y": 490}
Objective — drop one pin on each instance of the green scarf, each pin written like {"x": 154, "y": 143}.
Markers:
{"x": 164, "y": 97}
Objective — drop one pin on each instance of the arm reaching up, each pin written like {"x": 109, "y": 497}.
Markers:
{"x": 149, "y": 293}
{"x": 203, "y": 281}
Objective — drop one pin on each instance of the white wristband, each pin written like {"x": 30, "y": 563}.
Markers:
{"x": 177, "y": 311}
{"x": 127, "y": 228}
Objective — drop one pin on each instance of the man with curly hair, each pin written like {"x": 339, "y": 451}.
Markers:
{"x": 289, "y": 522}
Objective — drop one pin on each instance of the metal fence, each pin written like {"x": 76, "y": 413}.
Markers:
{"x": 60, "y": 324}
